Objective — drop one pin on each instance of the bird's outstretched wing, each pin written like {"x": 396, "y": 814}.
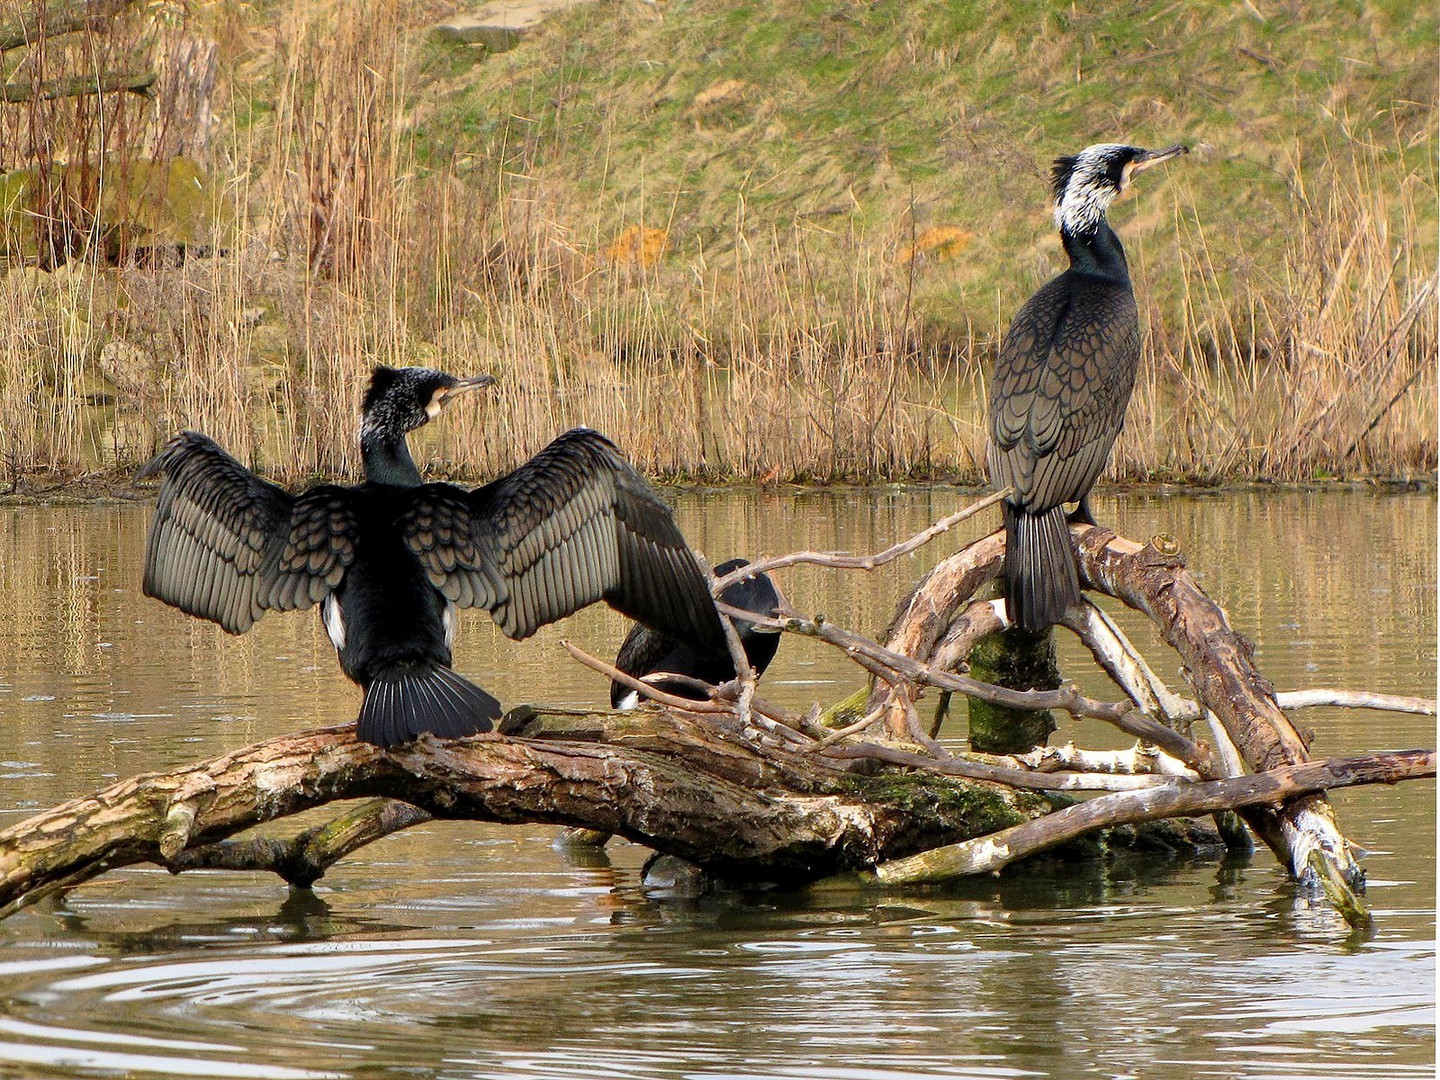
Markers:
{"x": 226, "y": 545}
{"x": 573, "y": 525}
{"x": 1064, "y": 376}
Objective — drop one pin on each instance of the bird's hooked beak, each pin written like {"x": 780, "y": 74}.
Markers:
{"x": 443, "y": 394}
{"x": 1150, "y": 158}
{"x": 471, "y": 382}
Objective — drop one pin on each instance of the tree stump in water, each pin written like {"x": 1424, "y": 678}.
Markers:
{"x": 1021, "y": 660}
{"x": 750, "y": 792}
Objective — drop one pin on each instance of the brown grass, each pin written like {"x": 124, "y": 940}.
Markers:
{"x": 784, "y": 352}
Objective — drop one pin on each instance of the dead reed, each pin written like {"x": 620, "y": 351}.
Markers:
{"x": 794, "y": 353}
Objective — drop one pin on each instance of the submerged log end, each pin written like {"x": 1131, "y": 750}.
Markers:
{"x": 175, "y": 829}
{"x": 980, "y": 856}
{"x": 1322, "y": 860}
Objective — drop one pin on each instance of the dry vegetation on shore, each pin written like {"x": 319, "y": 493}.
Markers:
{"x": 805, "y": 281}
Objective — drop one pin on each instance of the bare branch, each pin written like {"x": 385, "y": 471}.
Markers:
{"x": 1152, "y": 578}
{"x": 1011, "y": 777}
{"x": 845, "y": 561}
{"x": 1354, "y": 699}
{"x": 304, "y": 859}
{"x": 1124, "y": 664}
{"x": 772, "y": 718}
{"x": 894, "y": 666}
{"x": 743, "y": 671}
{"x": 649, "y": 690}
{"x": 989, "y": 853}
{"x": 840, "y": 734}
{"x": 1139, "y": 759}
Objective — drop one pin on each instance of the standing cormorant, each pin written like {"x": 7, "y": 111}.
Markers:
{"x": 1063, "y": 379}
{"x": 390, "y": 559}
{"x": 645, "y": 650}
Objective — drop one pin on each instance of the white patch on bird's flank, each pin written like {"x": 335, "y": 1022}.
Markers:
{"x": 334, "y": 621}
{"x": 1001, "y": 610}
{"x": 447, "y": 619}
{"x": 629, "y": 701}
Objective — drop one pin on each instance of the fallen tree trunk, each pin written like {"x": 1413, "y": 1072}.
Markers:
{"x": 110, "y": 82}
{"x": 685, "y": 786}
{"x": 53, "y": 20}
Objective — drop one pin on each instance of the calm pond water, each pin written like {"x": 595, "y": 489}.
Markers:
{"x": 458, "y": 950}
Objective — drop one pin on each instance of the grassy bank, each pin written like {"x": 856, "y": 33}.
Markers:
{"x": 764, "y": 240}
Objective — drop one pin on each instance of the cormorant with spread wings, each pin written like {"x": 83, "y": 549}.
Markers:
{"x": 390, "y": 559}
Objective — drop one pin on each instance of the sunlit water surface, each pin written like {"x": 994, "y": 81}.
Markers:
{"x": 463, "y": 950}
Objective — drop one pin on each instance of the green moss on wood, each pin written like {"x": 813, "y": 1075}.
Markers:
{"x": 977, "y": 808}
{"x": 1019, "y": 660}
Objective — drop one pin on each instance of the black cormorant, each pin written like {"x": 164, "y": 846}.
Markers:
{"x": 390, "y": 559}
{"x": 645, "y": 650}
{"x": 1063, "y": 379}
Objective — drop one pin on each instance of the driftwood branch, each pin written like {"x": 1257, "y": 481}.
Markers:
{"x": 1354, "y": 699}
{"x": 303, "y": 860}
{"x": 896, "y": 667}
{"x": 842, "y": 560}
{"x": 691, "y": 789}
{"x": 1152, "y": 578}
{"x": 939, "y": 622}
{"x": 1011, "y": 776}
{"x": 694, "y": 789}
{"x": 989, "y": 853}
{"x": 768, "y": 716}
{"x": 1129, "y": 670}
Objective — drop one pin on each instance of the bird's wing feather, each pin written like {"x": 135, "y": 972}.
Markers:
{"x": 573, "y": 525}
{"x": 226, "y": 545}
{"x": 441, "y": 528}
{"x": 1062, "y": 382}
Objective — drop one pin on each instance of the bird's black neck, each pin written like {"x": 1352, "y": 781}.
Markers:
{"x": 387, "y": 460}
{"x": 1096, "y": 251}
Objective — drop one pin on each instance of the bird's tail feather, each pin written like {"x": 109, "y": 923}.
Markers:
{"x": 1041, "y": 578}
{"x": 411, "y": 699}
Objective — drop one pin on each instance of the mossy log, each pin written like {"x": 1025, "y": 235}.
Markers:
{"x": 691, "y": 787}
{"x": 1021, "y": 660}
{"x": 685, "y": 786}
{"x": 111, "y": 82}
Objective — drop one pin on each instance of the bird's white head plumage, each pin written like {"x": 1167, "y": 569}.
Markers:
{"x": 1087, "y": 183}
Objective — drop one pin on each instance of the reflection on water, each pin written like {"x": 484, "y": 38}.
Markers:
{"x": 462, "y": 950}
